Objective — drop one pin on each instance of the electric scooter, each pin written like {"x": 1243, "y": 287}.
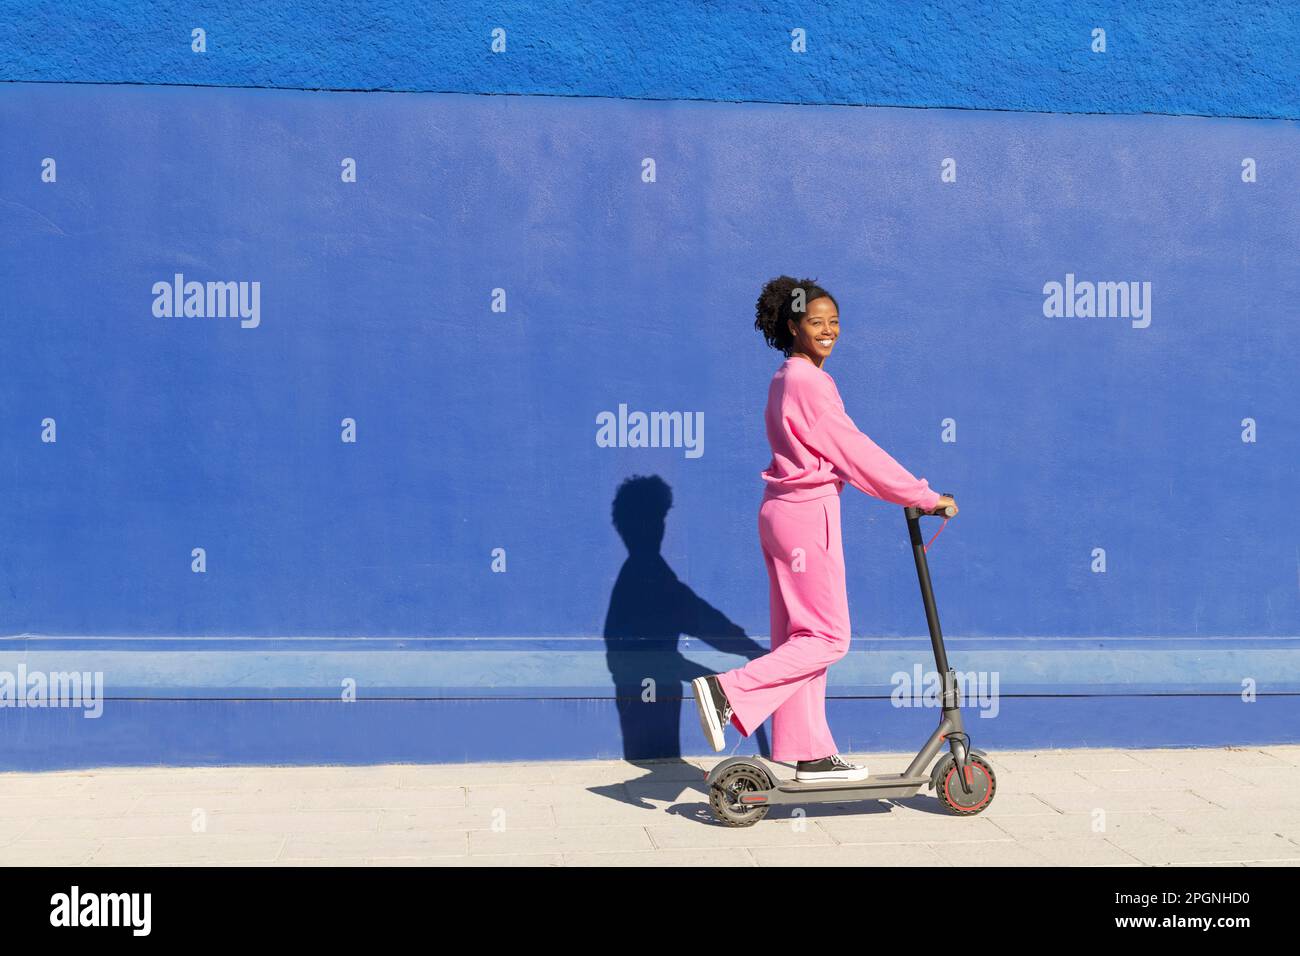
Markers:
{"x": 743, "y": 789}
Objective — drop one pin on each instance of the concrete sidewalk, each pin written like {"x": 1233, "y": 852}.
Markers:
{"x": 1232, "y": 807}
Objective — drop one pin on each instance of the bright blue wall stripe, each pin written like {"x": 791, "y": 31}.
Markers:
{"x": 1169, "y": 665}
{"x": 190, "y": 732}
{"x": 1163, "y": 56}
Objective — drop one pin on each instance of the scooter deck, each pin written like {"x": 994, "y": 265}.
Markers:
{"x": 875, "y": 787}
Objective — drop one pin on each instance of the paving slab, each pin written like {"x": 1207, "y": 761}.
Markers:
{"x": 1228, "y": 806}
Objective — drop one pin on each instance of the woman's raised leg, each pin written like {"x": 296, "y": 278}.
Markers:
{"x": 804, "y": 554}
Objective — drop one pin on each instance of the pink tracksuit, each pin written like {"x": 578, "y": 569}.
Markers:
{"x": 816, "y": 447}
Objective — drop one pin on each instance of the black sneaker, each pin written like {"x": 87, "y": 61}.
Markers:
{"x": 715, "y": 711}
{"x": 829, "y": 768}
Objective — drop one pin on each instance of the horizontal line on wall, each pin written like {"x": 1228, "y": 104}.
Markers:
{"x": 648, "y": 99}
{"x": 588, "y": 668}
{"x": 589, "y": 642}
{"x": 476, "y": 698}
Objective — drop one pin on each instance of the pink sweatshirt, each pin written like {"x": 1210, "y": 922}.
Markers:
{"x": 816, "y": 447}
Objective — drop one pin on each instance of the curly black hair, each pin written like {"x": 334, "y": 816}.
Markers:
{"x": 776, "y": 306}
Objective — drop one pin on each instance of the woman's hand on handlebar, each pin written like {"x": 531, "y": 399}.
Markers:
{"x": 945, "y": 501}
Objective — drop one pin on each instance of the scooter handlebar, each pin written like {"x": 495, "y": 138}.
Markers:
{"x": 947, "y": 512}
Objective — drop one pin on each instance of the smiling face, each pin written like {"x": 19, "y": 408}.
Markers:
{"x": 816, "y": 332}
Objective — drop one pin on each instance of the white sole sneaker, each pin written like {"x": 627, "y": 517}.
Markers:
{"x": 832, "y": 775}
{"x": 713, "y": 730}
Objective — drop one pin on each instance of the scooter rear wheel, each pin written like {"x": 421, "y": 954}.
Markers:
{"x": 980, "y": 776}
{"x": 724, "y": 795}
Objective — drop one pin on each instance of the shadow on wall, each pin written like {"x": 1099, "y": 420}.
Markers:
{"x": 649, "y": 609}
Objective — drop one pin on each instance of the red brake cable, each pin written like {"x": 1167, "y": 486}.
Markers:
{"x": 936, "y": 534}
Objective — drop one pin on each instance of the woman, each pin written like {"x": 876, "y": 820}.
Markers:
{"x": 816, "y": 447}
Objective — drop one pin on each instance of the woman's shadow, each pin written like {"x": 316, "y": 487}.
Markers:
{"x": 649, "y": 610}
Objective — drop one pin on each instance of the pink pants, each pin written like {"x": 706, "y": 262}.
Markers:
{"x": 810, "y": 629}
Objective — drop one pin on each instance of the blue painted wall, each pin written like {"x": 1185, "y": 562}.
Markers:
{"x": 372, "y": 562}
{"x": 1211, "y": 57}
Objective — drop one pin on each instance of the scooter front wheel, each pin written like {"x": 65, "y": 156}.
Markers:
{"x": 726, "y": 796}
{"x": 982, "y": 782}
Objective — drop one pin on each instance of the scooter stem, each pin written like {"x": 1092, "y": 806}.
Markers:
{"x": 951, "y": 699}
{"x": 927, "y": 593}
